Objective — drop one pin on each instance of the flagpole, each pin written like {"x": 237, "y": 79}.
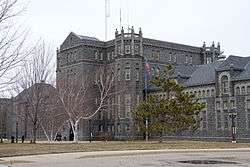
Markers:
{"x": 146, "y": 97}
{"x": 107, "y": 14}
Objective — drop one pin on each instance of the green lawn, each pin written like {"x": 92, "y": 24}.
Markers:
{"x": 8, "y": 149}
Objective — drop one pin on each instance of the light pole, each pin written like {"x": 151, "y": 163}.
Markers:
{"x": 232, "y": 115}
{"x": 146, "y": 137}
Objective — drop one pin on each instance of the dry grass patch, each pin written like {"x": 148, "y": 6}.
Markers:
{"x": 45, "y": 148}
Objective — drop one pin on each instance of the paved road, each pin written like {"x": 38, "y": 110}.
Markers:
{"x": 162, "y": 158}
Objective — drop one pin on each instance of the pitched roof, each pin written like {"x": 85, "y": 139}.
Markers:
{"x": 204, "y": 74}
{"x": 185, "y": 70}
{"x": 82, "y": 37}
{"x": 234, "y": 62}
{"x": 245, "y": 74}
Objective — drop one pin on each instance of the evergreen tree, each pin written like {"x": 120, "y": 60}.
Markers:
{"x": 174, "y": 112}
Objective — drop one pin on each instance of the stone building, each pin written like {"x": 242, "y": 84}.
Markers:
{"x": 7, "y": 119}
{"x": 34, "y": 104}
{"x": 224, "y": 86}
{"x": 126, "y": 54}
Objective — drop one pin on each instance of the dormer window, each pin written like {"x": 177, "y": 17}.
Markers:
{"x": 224, "y": 84}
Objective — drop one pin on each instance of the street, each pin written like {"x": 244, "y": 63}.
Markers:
{"x": 168, "y": 158}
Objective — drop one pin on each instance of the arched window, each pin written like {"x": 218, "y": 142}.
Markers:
{"x": 224, "y": 84}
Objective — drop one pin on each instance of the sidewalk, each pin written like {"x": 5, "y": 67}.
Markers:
{"x": 79, "y": 155}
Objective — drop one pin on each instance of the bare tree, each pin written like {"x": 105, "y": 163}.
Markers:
{"x": 12, "y": 42}
{"x": 55, "y": 120}
{"x": 77, "y": 96}
{"x": 33, "y": 87}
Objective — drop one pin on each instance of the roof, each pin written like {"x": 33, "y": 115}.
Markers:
{"x": 204, "y": 74}
{"x": 234, "y": 62}
{"x": 245, "y": 74}
{"x": 82, "y": 37}
{"x": 185, "y": 70}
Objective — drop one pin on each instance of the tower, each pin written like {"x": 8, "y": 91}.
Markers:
{"x": 129, "y": 85}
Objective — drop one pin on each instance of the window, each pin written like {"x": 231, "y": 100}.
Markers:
{"x": 248, "y": 89}
{"x": 191, "y": 60}
{"x": 203, "y": 93}
{"x": 101, "y": 56}
{"x": 108, "y": 56}
{"x": 127, "y": 105}
{"x": 100, "y": 128}
{"x": 209, "y": 60}
{"x": 232, "y": 104}
{"x": 208, "y": 93}
{"x": 224, "y": 105}
{"x": 127, "y": 127}
{"x": 157, "y": 55}
{"x": 127, "y": 72}
{"x": 119, "y": 105}
{"x": 119, "y": 74}
{"x": 112, "y": 55}
{"x": 174, "y": 57}
{"x": 136, "y": 49}
{"x": 204, "y": 120}
{"x": 119, "y": 128}
{"x": 109, "y": 106}
{"x": 170, "y": 56}
{"x": 199, "y": 93}
{"x": 237, "y": 90}
{"x": 248, "y": 113}
{"x": 243, "y": 90}
{"x": 96, "y": 55}
{"x": 248, "y": 104}
{"x": 212, "y": 92}
{"x": 119, "y": 49}
{"x": 127, "y": 49}
{"x": 218, "y": 120}
{"x": 137, "y": 73}
{"x": 224, "y": 85}
{"x": 225, "y": 120}
{"x": 186, "y": 61}
{"x": 218, "y": 105}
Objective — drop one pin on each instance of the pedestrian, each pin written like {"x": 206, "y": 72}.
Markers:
{"x": 90, "y": 137}
{"x": 12, "y": 139}
{"x": 23, "y": 138}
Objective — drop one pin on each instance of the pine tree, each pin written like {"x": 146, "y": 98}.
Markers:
{"x": 174, "y": 112}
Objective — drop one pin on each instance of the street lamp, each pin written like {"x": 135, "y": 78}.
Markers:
{"x": 146, "y": 137}
{"x": 232, "y": 115}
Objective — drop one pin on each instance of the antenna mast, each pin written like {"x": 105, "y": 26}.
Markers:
{"x": 107, "y": 14}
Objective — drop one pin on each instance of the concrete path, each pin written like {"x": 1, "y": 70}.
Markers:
{"x": 136, "y": 158}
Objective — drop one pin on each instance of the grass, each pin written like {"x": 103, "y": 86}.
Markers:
{"x": 8, "y": 149}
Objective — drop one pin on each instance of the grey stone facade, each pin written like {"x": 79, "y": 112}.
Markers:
{"x": 126, "y": 54}
{"x": 224, "y": 86}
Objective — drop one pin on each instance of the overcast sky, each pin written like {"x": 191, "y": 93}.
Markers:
{"x": 183, "y": 21}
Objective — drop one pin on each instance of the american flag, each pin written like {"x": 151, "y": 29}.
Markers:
{"x": 148, "y": 68}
